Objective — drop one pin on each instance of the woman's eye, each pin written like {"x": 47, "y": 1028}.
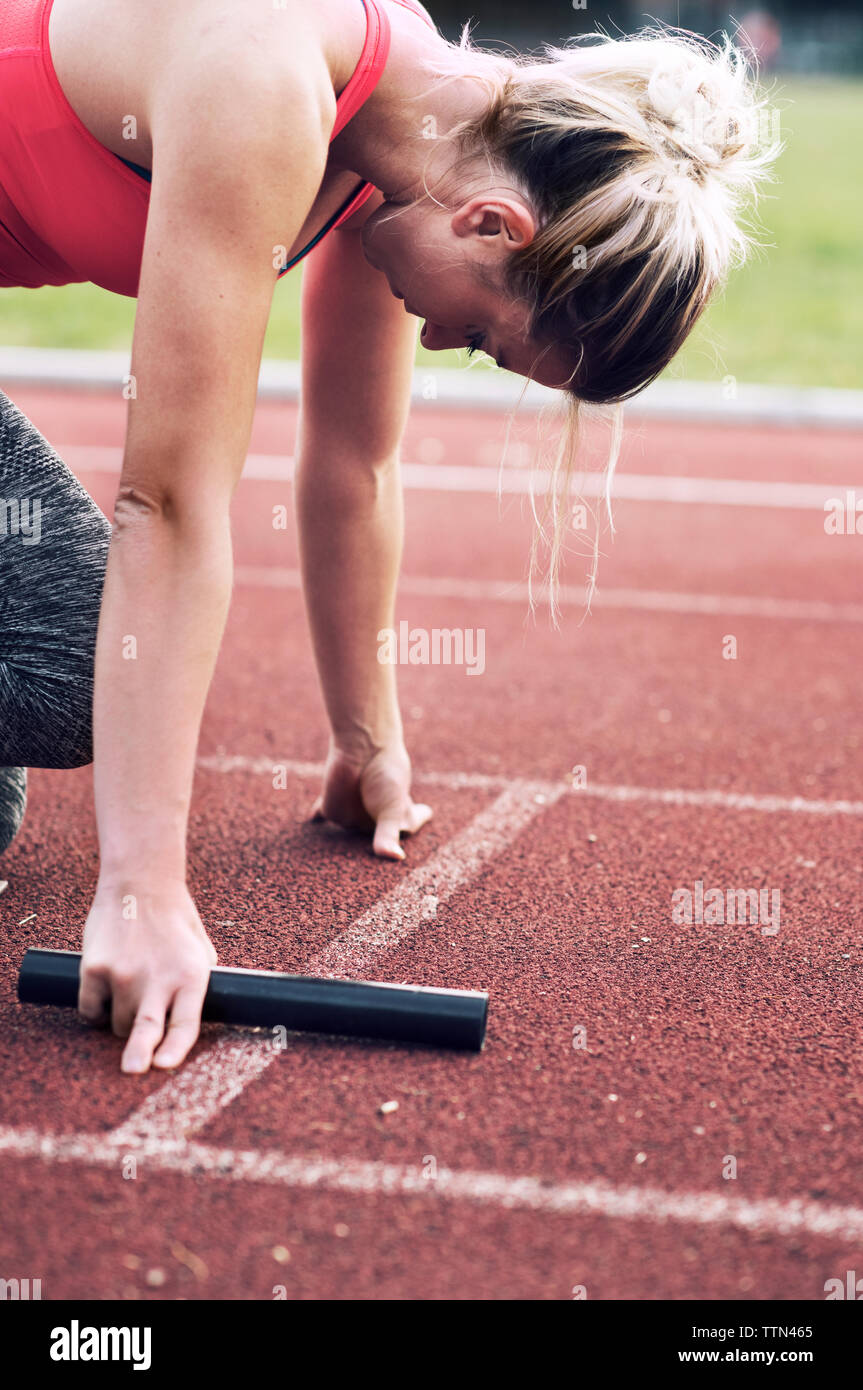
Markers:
{"x": 474, "y": 343}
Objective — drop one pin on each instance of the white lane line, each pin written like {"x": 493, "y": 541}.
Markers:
{"x": 550, "y": 791}
{"x": 729, "y": 605}
{"x": 726, "y": 801}
{"x": 402, "y": 911}
{"x": 455, "y": 781}
{"x": 647, "y": 600}
{"x": 188, "y": 1101}
{"x": 771, "y": 1216}
{"x": 466, "y": 478}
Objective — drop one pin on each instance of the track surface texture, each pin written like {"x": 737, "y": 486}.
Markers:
{"x": 664, "y": 1109}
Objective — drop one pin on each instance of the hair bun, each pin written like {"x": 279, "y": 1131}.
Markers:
{"x": 702, "y": 105}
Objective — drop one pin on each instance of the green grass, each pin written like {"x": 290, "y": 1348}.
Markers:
{"x": 793, "y": 315}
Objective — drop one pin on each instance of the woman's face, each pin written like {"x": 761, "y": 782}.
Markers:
{"x": 447, "y": 265}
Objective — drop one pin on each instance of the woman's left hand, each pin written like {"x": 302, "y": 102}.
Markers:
{"x": 372, "y": 793}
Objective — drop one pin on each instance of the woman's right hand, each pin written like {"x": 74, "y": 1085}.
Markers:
{"x": 146, "y": 959}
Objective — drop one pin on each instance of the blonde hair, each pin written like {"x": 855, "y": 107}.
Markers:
{"x": 636, "y": 155}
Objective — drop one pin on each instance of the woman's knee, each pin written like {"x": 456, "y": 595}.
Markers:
{"x": 51, "y": 581}
{"x": 44, "y": 721}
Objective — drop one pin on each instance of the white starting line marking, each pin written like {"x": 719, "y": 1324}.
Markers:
{"x": 648, "y": 600}
{"x": 188, "y": 1101}
{"x": 550, "y": 791}
{"x": 195, "y": 1094}
{"x": 445, "y": 477}
{"x": 769, "y": 1216}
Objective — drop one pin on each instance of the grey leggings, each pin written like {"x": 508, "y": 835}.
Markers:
{"x": 53, "y": 551}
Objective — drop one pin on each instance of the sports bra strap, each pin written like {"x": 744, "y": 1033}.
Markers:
{"x": 369, "y": 68}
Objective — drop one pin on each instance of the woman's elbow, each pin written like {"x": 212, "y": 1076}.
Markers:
{"x": 183, "y": 513}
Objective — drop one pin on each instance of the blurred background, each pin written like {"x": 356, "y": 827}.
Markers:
{"x": 793, "y": 315}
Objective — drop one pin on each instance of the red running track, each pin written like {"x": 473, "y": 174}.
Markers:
{"x": 663, "y": 1109}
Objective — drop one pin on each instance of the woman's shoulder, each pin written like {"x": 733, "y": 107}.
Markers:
{"x": 277, "y": 38}
{"x": 417, "y": 9}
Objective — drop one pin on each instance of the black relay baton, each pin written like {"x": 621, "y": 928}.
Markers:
{"x": 301, "y": 1003}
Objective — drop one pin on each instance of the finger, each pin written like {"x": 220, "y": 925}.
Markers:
{"x": 125, "y": 1002}
{"x": 93, "y": 996}
{"x": 146, "y": 1033}
{"x": 386, "y": 839}
{"x": 184, "y": 1025}
{"x": 418, "y": 815}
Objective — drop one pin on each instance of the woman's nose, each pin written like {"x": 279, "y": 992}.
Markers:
{"x": 435, "y": 337}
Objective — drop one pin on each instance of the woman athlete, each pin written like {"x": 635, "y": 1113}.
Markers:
{"x": 570, "y": 215}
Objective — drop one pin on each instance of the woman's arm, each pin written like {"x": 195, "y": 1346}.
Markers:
{"x": 358, "y": 353}
{"x": 239, "y": 158}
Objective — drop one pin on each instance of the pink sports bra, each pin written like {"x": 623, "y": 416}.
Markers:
{"x": 70, "y": 209}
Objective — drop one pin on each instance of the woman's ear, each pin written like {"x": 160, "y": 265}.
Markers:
{"x": 487, "y": 216}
